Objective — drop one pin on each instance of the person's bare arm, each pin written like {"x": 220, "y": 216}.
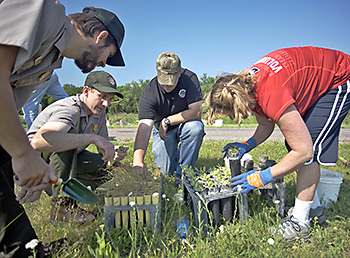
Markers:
{"x": 298, "y": 137}
{"x": 264, "y": 129}
{"x": 194, "y": 112}
{"x": 141, "y": 143}
{"x": 54, "y": 137}
{"x": 32, "y": 173}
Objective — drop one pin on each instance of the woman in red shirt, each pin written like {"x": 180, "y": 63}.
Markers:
{"x": 305, "y": 91}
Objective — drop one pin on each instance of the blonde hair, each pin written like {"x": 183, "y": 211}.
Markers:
{"x": 231, "y": 94}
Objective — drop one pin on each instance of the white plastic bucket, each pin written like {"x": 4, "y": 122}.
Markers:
{"x": 218, "y": 122}
{"x": 329, "y": 186}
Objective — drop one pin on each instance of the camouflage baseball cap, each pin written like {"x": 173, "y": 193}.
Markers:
{"x": 168, "y": 68}
{"x": 115, "y": 27}
{"x": 103, "y": 82}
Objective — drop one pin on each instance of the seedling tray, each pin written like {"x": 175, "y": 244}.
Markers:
{"x": 221, "y": 201}
{"x": 219, "y": 204}
{"x": 133, "y": 198}
{"x": 122, "y": 212}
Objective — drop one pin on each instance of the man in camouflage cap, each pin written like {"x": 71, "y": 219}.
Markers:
{"x": 65, "y": 128}
{"x": 171, "y": 104}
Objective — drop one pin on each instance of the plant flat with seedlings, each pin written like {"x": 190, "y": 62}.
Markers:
{"x": 208, "y": 181}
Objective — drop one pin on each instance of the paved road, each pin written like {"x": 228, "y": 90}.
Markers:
{"x": 219, "y": 133}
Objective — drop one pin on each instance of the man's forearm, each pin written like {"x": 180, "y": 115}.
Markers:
{"x": 139, "y": 155}
{"x": 32, "y": 173}
{"x": 53, "y": 141}
{"x": 193, "y": 113}
{"x": 12, "y": 136}
{"x": 141, "y": 142}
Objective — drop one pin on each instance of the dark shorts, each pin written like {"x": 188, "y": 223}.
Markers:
{"x": 323, "y": 120}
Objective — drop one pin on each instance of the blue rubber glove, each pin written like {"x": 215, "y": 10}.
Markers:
{"x": 243, "y": 147}
{"x": 251, "y": 180}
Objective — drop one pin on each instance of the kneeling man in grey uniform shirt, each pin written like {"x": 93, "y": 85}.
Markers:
{"x": 64, "y": 129}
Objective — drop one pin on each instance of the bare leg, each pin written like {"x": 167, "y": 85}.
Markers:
{"x": 307, "y": 180}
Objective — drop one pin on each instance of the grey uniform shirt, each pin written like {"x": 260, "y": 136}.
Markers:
{"x": 71, "y": 111}
{"x": 41, "y": 30}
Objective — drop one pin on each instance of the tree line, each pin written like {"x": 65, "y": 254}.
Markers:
{"x": 132, "y": 92}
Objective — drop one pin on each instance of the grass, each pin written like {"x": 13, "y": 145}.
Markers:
{"x": 231, "y": 239}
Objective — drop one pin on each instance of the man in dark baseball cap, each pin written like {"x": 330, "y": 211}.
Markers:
{"x": 77, "y": 121}
{"x": 103, "y": 82}
{"x": 115, "y": 27}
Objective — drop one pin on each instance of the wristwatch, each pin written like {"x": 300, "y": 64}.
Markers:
{"x": 167, "y": 121}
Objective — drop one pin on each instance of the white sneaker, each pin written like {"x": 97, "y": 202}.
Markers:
{"x": 291, "y": 230}
{"x": 316, "y": 215}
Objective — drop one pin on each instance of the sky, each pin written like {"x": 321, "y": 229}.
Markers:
{"x": 213, "y": 36}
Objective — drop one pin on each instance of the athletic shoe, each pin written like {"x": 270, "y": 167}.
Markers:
{"x": 316, "y": 215}
{"x": 291, "y": 230}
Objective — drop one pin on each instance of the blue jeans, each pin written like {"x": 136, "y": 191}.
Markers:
{"x": 181, "y": 148}
{"x": 31, "y": 108}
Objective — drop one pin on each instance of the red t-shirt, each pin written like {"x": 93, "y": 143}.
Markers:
{"x": 299, "y": 76}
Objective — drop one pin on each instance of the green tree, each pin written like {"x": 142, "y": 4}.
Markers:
{"x": 132, "y": 93}
{"x": 206, "y": 83}
{"x": 72, "y": 89}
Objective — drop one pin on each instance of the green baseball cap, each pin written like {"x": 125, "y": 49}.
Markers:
{"x": 115, "y": 27}
{"x": 103, "y": 82}
{"x": 168, "y": 67}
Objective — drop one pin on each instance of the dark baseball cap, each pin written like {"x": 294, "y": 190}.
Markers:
{"x": 115, "y": 27}
{"x": 168, "y": 67}
{"x": 103, "y": 82}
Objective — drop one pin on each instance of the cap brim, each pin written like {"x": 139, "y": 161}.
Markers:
{"x": 106, "y": 89}
{"x": 116, "y": 60}
{"x": 167, "y": 79}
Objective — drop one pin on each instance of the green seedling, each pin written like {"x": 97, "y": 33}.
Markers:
{"x": 198, "y": 186}
{"x": 233, "y": 150}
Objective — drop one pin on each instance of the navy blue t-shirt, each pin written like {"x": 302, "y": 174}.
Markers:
{"x": 155, "y": 103}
